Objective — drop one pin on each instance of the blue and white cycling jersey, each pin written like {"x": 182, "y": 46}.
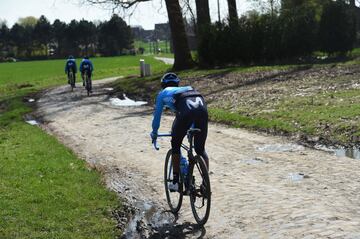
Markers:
{"x": 86, "y": 65}
{"x": 70, "y": 63}
{"x": 166, "y": 98}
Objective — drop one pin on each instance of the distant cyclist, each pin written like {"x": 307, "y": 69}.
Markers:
{"x": 190, "y": 109}
{"x": 70, "y": 65}
{"x": 86, "y": 65}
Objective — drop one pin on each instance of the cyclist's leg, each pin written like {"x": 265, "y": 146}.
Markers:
{"x": 179, "y": 128}
{"x": 82, "y": 76}
{"x": 201, "y": 122}
{"x": 74, "y": 70}
{"x": 90, "y": 80}
{"x": 68, "y": 76}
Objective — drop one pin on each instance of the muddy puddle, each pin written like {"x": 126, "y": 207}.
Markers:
{"x": 296, "y": 177}
{"x": 272, "y": 148}
{"x": 353, "y": 153}
{"x": 31, "y": 120}
{"x": 348, "y": 152}
{"x": 148, "y": 221}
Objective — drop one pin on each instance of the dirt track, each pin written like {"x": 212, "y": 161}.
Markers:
{"x": 263, "y": 186}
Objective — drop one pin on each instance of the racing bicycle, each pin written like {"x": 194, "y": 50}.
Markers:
{"x": 196, "y": 184}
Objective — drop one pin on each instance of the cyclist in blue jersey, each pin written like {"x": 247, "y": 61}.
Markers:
{"x": 86, "y": 64}
{"x": 190, "y": 109}
{"x": 70, "y": 65}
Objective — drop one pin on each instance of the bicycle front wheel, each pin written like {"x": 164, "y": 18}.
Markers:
{"x": 200, "y": 190}
{"x": 174, "y": 199}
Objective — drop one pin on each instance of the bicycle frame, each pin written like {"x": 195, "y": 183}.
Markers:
{"x": 190, "y": 136}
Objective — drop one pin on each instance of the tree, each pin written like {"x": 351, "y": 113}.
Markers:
{"x": 337, "y": 28}
{"x": 114, "y": 36}
{"x": 59, "y": 37}
{"x": 27, "y": 21}
{"x": 233, "y": 16}
{"x": 22, "y": 39}
{"x": 87, "y": 33}
{"x": 43, "y": 33}
{"x": 4, "y": 39}
{"x": 203, "y": 25}
{"x": 268, "y": 6}
{"x": 182, "y": 54}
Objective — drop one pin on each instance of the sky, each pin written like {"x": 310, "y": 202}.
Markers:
{"x": 146, "y": 14}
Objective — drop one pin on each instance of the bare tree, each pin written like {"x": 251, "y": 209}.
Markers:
{"x": 117, "y": 3}
{"x": 271, "y": 6}
{"x": 233, "y": 15}
{"x": 182, "y": 54}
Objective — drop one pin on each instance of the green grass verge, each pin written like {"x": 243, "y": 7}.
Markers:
{"x": 45, "y": 190}
{"x": 334, "y": 116}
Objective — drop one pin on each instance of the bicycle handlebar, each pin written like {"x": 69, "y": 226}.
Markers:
{"x": 189, "y": 132}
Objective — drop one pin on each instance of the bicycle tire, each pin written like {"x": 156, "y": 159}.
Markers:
{"x": 176, "y": 203}
{"x": 200, "y": 192}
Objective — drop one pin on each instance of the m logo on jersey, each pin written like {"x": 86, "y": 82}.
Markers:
{"x": 194, "y": 104}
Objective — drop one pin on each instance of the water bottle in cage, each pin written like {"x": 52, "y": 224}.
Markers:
{"x": 184, "y": 167}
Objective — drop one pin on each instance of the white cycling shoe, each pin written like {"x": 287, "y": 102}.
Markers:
{"x": 173, "y": 187}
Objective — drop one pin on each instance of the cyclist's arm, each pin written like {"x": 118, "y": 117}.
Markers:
{"x": 157, "y": 113}
{"x": 75, "y": 67}
{"x": 66, "y": 70}
{"x": 80, "y": 68}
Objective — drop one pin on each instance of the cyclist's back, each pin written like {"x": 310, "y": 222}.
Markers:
{"x": 70, "y": 65}
{"x": 190, "y": 109}
{"x": 86, "y": 64}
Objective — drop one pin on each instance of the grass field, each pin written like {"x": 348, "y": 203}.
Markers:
{"x": 17, "y": 78}
{"x": 149, "y": 47}
{"x": 45, "y": 190}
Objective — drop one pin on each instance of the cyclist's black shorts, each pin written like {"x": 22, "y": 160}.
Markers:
{"x": 191, "y": 109}
{"x": 88, "y": 73}
{"x": 71, "y": 68}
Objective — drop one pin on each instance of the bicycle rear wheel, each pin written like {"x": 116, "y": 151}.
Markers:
{"x": 200, "y": 190}
{"x": 87, "y": 83}
{"x": 174, "y": 199}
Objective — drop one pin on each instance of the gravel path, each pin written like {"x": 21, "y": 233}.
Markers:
{"x": 263, "y": 186}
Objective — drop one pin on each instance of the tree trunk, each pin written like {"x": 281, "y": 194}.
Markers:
{"x": 202, "y": 13}
{"x": 182, "y": 54}
{"x": 233, "y": 16}
{"x": 202, "y": 32}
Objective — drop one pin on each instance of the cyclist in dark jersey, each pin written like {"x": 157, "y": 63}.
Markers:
{"x": 86, "y": 64}
{"x": 70, "y": 65}
{"x": 190, "y": 109}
